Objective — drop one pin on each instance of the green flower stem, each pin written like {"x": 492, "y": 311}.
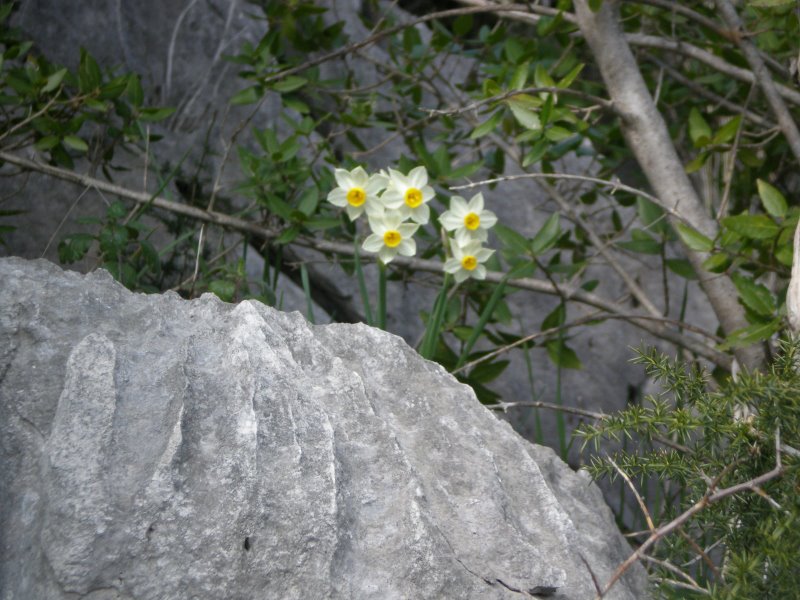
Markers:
{"x": 362, "y": 286}
{"x": 434, "y": 326}
{"x": 381, "y": 295}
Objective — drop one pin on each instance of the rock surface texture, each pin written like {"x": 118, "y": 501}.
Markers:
{"x": 152, "y": 447}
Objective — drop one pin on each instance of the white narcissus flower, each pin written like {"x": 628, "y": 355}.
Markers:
{"x": 409, "y": 195}
{"x": 469, "y": 220}
{"x": 467, "y": 260}
{"x": 357, "y": 192}
{"x": 390, "y": 237}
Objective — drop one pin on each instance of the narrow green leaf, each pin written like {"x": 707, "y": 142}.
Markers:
{"x": 557, "y": 134}
{"x": 547, "y": 236}
{"x": 486, "y": 314}
{"x": 290, "y": 84}
{"x": 223, "y": 288}
{"x": 754, "y": 295}
{"x": 773, "y": 200}
{"x": 562, "y": 355}
{"x": 697, "y": 163}
{"x": 307, "y": 291}
{"x": 728, "y": 131}
{"x": 155, "y": 114}
{"x": 54, "y": 80}
{"x": 699, "y": 130}
{"x": 526, "y": 118}
{"x": 76, "y": 143}
{"x": 520, "y": 76}
{"x": 487, "y": 126}
{"x": 694, "y": 239}
{"x": 246, "y": 96}
{"x": 567, "y": 80}
{"x": 757, "y": 332}
{"x": 511, "y": 239}
{"x": 556, "y": 318}
{"x": 487, "y": 371}
{"x": 754, "y": 227}
{"x": 682, "y": 267}
{"x": 717, "y": 263}
{"x": 134, "y": 91}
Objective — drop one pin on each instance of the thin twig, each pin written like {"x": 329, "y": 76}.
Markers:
{"x": 642, "y": 506}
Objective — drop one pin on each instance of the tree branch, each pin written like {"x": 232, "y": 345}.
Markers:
{"x": 647, "y": 136}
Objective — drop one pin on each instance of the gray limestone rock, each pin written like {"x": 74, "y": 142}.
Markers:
{"x": 152, "y": 447}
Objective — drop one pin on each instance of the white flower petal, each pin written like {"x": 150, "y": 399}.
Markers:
{"x": 407, "y": 247}
{"x": 476, "y": 203}
{"x": 464, "y": 236}
{"x": 450, "y": 221}
{"x": 407, "y": 230}
{"x": 343, "y": 179}
{"x": 359, "y": 177}
{"x": 373, "y": 243}
{"x": 418, "y": 177}
{"x": 451, "y": 265}
{"x": 338, "y": 197}
{"x": 479, "y": 272}
{"x": 483, "y": 254}
{"x": 488, "y": 219}
{"x": 427, "y": 193}
{"x": 375, "y": 184}
{"x": 393, "y": 199}
{"x": 354, "y": 211}
{"x": 386, "y": 254}
{"x": 421, "y": 214}
{"x": 458, "y": 206}
{"x": 461, "y": 275}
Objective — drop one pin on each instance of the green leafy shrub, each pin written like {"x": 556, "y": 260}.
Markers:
{"x": 729, "y": 466}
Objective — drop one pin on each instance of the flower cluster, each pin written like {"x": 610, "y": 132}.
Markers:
{"x": 396, "y": 206}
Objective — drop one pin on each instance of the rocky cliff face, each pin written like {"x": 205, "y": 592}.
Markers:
{"x": 152, "y": 447}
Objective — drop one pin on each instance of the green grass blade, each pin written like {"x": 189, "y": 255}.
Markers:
{"x": 488, "y": 310}
{"x": 362, "y": 286}
{"x": 307, "y": 290}
{"x": 433, "y": 329}
{"x": 381, "y": 295}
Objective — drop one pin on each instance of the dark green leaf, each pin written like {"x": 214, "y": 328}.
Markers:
{"x": 290, "y": 84}
{"x": 694, "y": 239}
{"x": 487, "y": 126}
{"x": 773, "y": 200}
{"x": 547, "y": 236}
{"x": 511, "y": 239}
{"x": 75, "y": 143}
{"x": 699, "y": 130}
{"x": 487, "y": 371}
{"x": 54, "y": 80}
{"x": 754, "y": 227}
{"x": 247, "y": 95}
{"x": 682, "y": 267}
{"x": 562, "y": 355}
{"x": 754, "y": 295}
{"x": 223, "y": 288}
{"x": 74, "y": 247}
{"x": 155, "y": 114}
